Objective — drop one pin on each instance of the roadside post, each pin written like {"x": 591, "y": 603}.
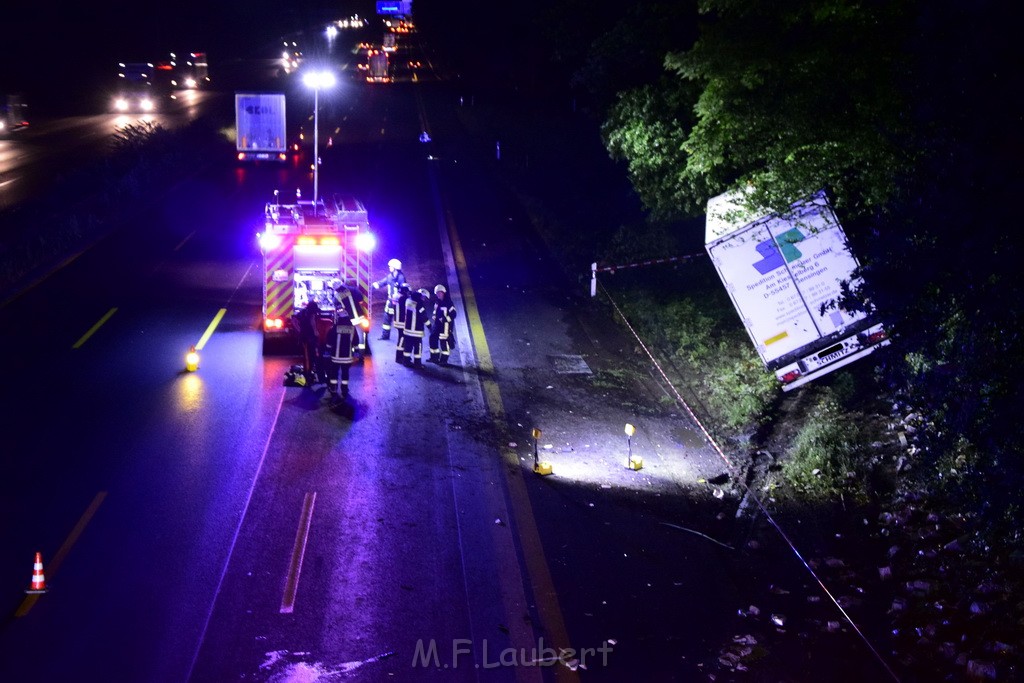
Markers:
{"x": 634, "y": 463}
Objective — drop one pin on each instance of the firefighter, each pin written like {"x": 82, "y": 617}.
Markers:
{"x": 305, "y": 324}
{"x": 416, "y": 315}
{"x": 339, "y": 346}
{"x": 359, "y": 339}
{"x": 345, "y": 303}
{"x": 346, "y": 306}
{"x": 391, "y": 281}
{"x": 441, "y": 322}
{"x": 403, "y": 291}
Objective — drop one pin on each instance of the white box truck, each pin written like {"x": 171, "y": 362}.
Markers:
{"x": 379, "y": 70}
{"x": 260, "y": 126}
{"x": 781, "y": 271}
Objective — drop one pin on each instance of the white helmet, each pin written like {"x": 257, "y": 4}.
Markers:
{"x": 395, "y": 264}
{"x": 439, "y": 289}
{"x": 423, "y": 291}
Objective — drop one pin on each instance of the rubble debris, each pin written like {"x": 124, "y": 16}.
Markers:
{"x": 981, "y": 670}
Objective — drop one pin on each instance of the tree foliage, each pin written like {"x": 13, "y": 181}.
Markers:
{"x": 902, "y": 110}
{"x": 784, "y": 96}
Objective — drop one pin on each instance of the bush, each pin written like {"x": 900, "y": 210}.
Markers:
{"x": 824, "y": 461}
{"x": 739, "y": 389}
{"x": 706, "y": 338}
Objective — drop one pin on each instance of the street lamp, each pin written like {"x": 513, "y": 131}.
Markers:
{"x": 317, "y": 80}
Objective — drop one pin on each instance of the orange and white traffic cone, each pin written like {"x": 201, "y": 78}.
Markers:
{"x": 38, "y": 584}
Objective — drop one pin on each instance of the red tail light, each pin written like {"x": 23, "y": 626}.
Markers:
{"x": 876, "y": 337}
{"x": 790, "y": 376}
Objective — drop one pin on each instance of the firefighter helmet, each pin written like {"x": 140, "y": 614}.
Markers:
{"x": 423, "y": 291}
{"x": 439, "y": 289}
{"x": 405, "y": 288}
{"x": 395, "y": 264}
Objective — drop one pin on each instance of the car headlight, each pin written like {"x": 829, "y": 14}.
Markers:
{"x": 121, "y": 104}
{"x": 146, "y": 104}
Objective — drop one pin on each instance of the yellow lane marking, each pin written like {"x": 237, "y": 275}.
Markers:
{"x": 92, "y": 330}
{"x": 49, "y": 570}
{"x": 291, "y": 584}
{"x": 543, "y": 586}
{"x": 209, "y": 330}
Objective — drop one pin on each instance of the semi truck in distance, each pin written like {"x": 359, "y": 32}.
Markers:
{"x": 784, "y": 274}
{"x": 186, "y": 71}
{"x": 379, "y": 68}
{"x": 135, "y": 92}
{"x": 260, "y": 129}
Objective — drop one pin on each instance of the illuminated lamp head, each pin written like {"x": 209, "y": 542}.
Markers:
{"x": 365, "y": 242}
{"x": 269, "y": 241}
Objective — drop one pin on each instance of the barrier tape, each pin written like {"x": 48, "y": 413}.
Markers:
{"x": 750, "y": 492}
{"x": 649, "y": 262}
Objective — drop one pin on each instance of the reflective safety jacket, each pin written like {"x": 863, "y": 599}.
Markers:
{"x": 443, "y": 318}
{"x": 391, "y": 282}
{"x": 400, "y": 311}
{"x": 416, "y": 315}
{"x": 361, "y": 306}
{"x": 339, "y": 342}
{"x": 346, "y": 306}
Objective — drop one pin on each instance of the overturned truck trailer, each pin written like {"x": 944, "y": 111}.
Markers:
{"x": 783, "y": 272}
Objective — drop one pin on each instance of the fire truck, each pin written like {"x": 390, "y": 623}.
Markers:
{"x": 305, "y": 246}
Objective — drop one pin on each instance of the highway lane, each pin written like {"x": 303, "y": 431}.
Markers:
{"x": 137, "y": 476}
{"x": 195, "y": 496}
{"x": 408, "y": 542}
{"x": 32, "y": 158}
{"x": 118, "y": 418}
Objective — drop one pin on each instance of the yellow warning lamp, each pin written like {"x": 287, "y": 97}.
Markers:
{"x": 539, "y": 467}
{"x": 192, "y": 360}
{"x": 633, "y": 463}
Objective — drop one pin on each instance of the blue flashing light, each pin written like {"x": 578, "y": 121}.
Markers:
{"x": 366, "y": 242}
{"x": 269, "y": 241}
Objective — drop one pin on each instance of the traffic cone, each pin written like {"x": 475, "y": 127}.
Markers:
{"x": 38, "y": 584}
